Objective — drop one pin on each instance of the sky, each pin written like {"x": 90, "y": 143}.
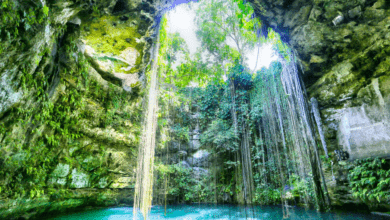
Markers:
{"x": 182, "y": 20}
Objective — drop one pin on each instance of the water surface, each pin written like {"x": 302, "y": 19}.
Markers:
{"x": 220, "y": 212}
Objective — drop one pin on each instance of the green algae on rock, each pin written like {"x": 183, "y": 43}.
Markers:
{"x": 110, "y": 36}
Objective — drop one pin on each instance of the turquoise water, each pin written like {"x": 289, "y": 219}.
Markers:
{"x": 221, "y": 212}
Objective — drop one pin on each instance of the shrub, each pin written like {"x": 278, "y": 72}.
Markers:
{"x": 370, "y": 180}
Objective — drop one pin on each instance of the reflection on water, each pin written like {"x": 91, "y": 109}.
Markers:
{"x": 220, "y": 212}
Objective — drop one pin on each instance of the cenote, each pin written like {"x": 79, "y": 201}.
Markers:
{"x": 212, "y": 211}
{"x": 209, "y": 109}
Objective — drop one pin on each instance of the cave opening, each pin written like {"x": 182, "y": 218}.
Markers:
{"x": 219, "y": 72}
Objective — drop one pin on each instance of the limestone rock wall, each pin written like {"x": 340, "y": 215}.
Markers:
{"x": 71, "y": 106}
{"x": 344, "y": 50}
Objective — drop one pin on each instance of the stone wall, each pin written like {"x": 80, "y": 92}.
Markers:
{"x": 364, "y": 132}
{"x": 71, "y": 108}
{"x": 343, "y": 48}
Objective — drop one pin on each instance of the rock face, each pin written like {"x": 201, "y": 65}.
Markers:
{"x": 344, "y": 51}
{"x": 200, "y": 158}
{"x": 364, "y": 132}
{"x": 70, "y": 104}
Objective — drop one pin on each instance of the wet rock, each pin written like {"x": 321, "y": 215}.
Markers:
{"x": 343, "y": 47}
{"x": 115, "y": 68}
{"x": 199, "y": 159}
{"x": 174, "y": 146}
{"x": 102, "y": 182}
{"x": 226, "y": 197}
{"x": 195, "y": 116}
{"x": 9, "y": 93}
{"x": 121, "y": 6}
{"x": 108, "y": 136}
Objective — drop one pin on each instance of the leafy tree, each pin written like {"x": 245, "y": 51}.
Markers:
{"x": 173, "y": 47}
{"x": 226, "y": 29}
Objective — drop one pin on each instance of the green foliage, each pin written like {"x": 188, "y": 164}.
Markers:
{"x": 180, "y": 133}
{"x": 278, "y": 45}
{"x": 300, "y": 187}
{"x": 96, "y": 10}
{"x": 183, "y": 187}
{"x": 226, "y": 111}
{"x": 370, "y": 180}
{"x": 195, "y": 70}
{"x": 327, "y": 161}
{"x": 174, "y": 49}
{"x": 53, "y": 127}
{"x": 267, "y": 195}
{"x": 241, "y": 77}
{"x": 16, "y": 19}
{"x": 221, "y": 135}
{"x": 219, "y": 21}
{"x": 181, "y": 183}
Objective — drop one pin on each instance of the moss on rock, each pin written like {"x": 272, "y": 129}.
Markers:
{"x": 113, "y": 37}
